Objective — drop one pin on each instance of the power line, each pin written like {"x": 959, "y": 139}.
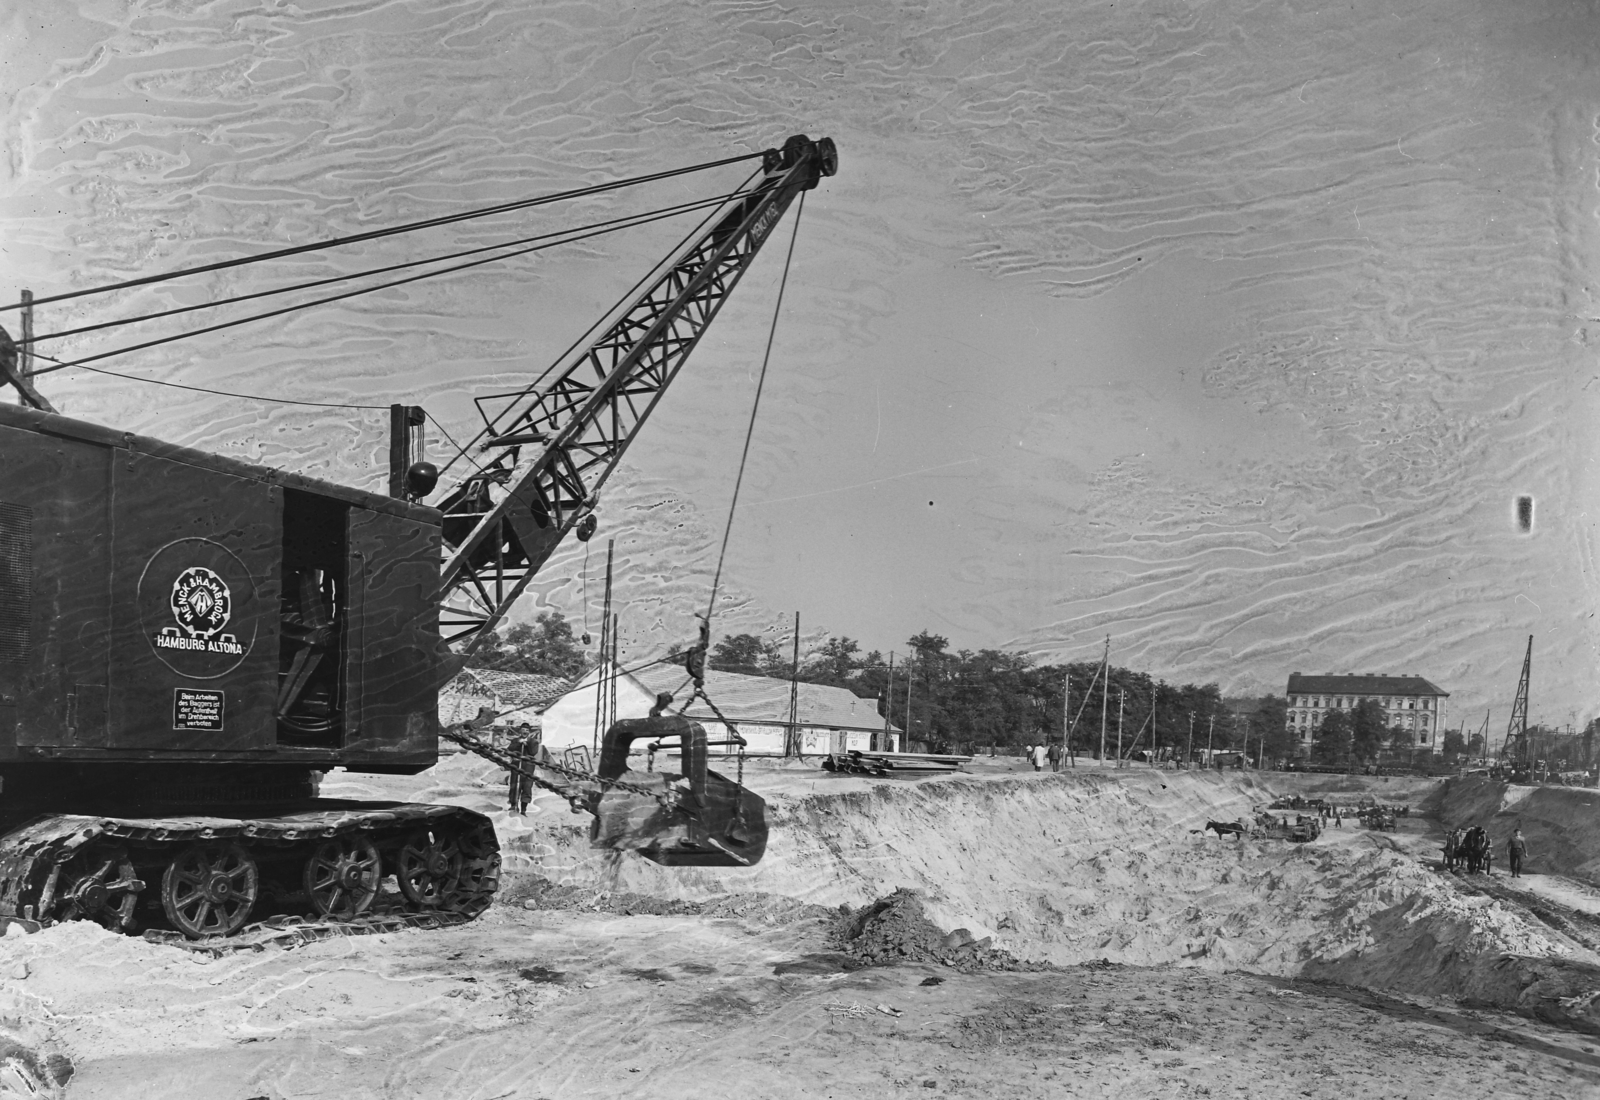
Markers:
{"x": 375, "y": 234}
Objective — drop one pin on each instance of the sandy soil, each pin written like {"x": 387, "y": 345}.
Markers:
{"x": 530, "y": 1004}
{"x": 1171, "y": 964}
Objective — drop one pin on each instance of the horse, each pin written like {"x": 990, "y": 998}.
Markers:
{"x": 1224, "y": 828}
{"x": 1476, "y": 850}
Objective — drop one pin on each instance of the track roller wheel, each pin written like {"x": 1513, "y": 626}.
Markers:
{"x": 472, "y": 890}
{"x": 209, "y": 889}
{"x": 100, "y": 885}
{"x": 428, "y": 862}
{"x": 342, "y": 876}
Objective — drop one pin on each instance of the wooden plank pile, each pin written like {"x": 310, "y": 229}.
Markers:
{"x": 892, "y": 765}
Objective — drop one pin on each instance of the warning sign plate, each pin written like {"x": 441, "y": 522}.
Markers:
{"x": 197, "y": 710}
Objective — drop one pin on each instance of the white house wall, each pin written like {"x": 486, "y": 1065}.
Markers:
{"x": 569, "y": 720}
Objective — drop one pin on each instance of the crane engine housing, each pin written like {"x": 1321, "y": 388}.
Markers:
{"x": 186, "y": 641}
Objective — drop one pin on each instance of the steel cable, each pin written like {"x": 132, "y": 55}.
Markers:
{"x": 410, "y": 227}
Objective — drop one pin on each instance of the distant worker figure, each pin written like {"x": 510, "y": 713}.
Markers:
{"x": 1039, "y": 754}
{"x": 1517, "y": 851}
{"x": 1053, "y": 753}
{"x": 524, "y": 752}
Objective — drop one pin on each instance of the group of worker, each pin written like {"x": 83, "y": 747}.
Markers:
{"x": 1041, "y": 755}
{"x": 1473, "y": 848}
{"x": 1516, "y": 850}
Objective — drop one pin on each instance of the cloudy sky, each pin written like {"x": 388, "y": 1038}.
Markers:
{"x": 1229, "y": 330}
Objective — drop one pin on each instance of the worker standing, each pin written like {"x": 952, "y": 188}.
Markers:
{"x": 1054, "y": 755}
{"x": 1517, "y": 851}
{"x": 524, "y": 752}
{"x": 1038, "y": 755}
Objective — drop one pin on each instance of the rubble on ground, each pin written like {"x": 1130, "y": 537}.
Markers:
{"x": 896, "y": 928}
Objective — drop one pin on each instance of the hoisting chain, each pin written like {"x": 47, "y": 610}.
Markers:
{"x": 700, "y": 693}
{"x": 488, "y": 752}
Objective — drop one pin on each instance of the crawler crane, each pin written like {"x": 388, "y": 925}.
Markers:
{"x": 186, "y": 640}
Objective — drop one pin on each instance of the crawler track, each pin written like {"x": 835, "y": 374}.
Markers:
{"x": 199, "y": 876}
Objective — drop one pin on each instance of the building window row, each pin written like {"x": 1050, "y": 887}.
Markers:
{"x": 1343, "y": 702}
{"x": 1314, "y": 718}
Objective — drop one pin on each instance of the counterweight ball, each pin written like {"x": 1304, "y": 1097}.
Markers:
{"x": 421, "y": 477}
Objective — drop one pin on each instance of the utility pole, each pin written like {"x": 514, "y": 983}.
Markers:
{"x": 1122, "y": 701}
{"x": 1188, "y": 753}
{"x": 16, "y": 362}
{"x": 1105, "y": 677}
{"x": 616, "y": 663}
{"x": 606, "y": 646}
{"x": 1244, "y": 753}
{"x": 791, "y": 742}
{"x": 888, "y": 694}
{"x": 1155, "y": 735}
{"x": 1066, "y": 718}
{"x": 909, "y": 678}
{"x": 1211, "y": 726}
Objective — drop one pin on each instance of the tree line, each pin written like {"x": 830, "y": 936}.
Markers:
{"x": 966, "y": 700}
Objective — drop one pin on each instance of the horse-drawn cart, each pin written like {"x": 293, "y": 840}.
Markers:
{"x": 1304, "y": 828}
{"x": 1380, "y": 818}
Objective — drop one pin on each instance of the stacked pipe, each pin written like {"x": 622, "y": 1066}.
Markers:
{"x": 892, "y": 765}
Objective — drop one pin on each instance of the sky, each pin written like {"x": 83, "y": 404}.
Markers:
{"x": 1228, "y": 331}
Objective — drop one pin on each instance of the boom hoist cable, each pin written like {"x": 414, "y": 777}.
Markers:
{"x": 539, "y": 243}
{"x": 375, "y": 234}
{"x": 695, "y": 658}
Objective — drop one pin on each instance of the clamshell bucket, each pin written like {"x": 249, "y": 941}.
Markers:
{"x": 707, "y": 820}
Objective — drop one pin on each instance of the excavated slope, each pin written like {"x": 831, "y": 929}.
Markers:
{"x": 1561, "y": 824}
{"x": 1077, "y": 867}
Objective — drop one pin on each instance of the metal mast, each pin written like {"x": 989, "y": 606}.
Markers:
{"x": 1515, "y": 745}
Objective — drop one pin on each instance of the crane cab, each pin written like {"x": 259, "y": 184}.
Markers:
{"x": 162, "y": 607}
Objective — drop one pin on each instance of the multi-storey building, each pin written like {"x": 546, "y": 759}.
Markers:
{"x": 1415, "y": 708}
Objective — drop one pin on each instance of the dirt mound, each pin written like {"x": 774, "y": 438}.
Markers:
{"x": 896, "y": 928}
